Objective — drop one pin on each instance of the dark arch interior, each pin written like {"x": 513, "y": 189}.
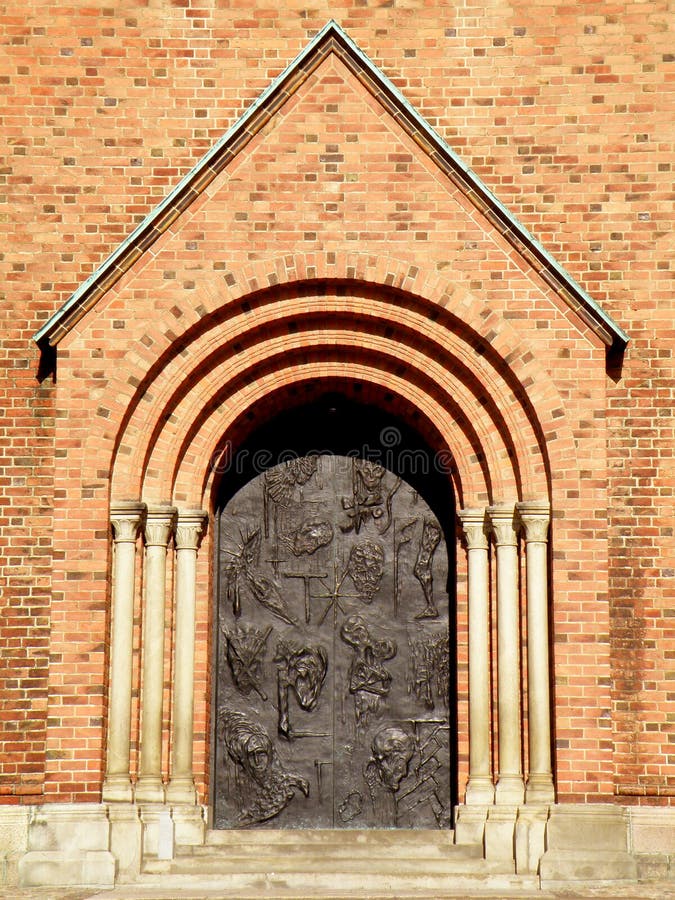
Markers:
{"x": 339, "y": 424}
{"x": 335, "y": 422}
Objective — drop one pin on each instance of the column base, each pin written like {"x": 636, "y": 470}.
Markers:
{"x": 510, "y": 790}
{"x": 189, "y": 825}
{"x": 182, "y": 790}
{"x": 530, "y": 839}
{"x": 126, "y": 840}
{"x": 117, "y": 789}
{"x": 480, "y": 791}
{"x": 158, "y": 832}
{"x": 470, "y": 825}
{"x": 500, "y": 833}
{"x": 539, "y": 789}
{"x": 587, "y": 843}
{"x": 149, "y": 789}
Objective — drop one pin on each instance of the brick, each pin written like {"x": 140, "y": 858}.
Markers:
{"x": 100, "y": 121}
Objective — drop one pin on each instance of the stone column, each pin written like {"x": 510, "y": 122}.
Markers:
{"x": 189, "y": 530}
{"x": 158, "y": 527}
{"x": 535, "y": 517}
{"x": 480, "y": 789}
{"x": 126, "y": 517}
{"x": 510, "y": 788}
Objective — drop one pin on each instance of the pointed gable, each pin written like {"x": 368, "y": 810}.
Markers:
{"x": 333, "y": 61}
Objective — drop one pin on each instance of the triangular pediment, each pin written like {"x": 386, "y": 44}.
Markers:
{"x": 436, "y": 154}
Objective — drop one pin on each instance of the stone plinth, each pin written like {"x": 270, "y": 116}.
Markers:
{"x": 587, "y": 844}
{"x": 68, "y": 844}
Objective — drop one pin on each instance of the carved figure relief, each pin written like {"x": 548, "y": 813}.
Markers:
{"x": 265, "y": 787}
{"x": 392, "y": 749}
{"x": 301, "y": 670}
{"x": 369, "y": 681}
{"x": 402, "y": 537}
{"x": 307, "y": 539}
{"x": 431, "y": 537}
{"x": 404, "y": 774}
{"x": 246, "y": 647}
{"x": 281, "y": 481}
{"x": 333, "y": 657}
{"x": 365, "y": 568}
{"x": 240, "y": 573}
{"x": 429, "y": 675}
{"x": 369, "y": 499}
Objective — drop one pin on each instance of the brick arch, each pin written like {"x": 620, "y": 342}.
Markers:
{"x": 472, "y": 466}
{"x": 439, "y": 294}
{"x": 342, "y": 346}
{"x": 479, "y": 338}
{"x": 459, "y": 357}
{"x": 224, "y": 383}
{"x": 178, "y": 371}
{"x": 195, "y": 483}
{"x": 384, "y": 353}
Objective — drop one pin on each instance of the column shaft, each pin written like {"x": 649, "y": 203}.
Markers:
{"x": 126, "y": 519}
{"x": 158, "y": 527}
{"x": 510, "y": 787}
{"x": 189, "y": 530}
{"x": 480, "y": 788}
{"x": 534, "y": 517}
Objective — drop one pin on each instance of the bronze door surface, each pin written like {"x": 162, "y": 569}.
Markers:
{"x": 332, "y": 652}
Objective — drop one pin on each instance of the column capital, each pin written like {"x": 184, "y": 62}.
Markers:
{"x": 126, "y": 517}
{"x": 475, "y": 528}
{"x": 503, "y": 524}
{"x": 159, "y": 523}
{"x": 535, "y": 516}
{"x": 190, "y": 528}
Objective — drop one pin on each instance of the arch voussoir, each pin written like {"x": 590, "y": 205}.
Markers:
{"x": 341, "y": 346}
{"x": 497, "y": 370}
{"x": 182, "y": 367}
{"x": 191, "y": 479}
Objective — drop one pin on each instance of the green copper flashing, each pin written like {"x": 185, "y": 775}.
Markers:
{"x": 114, "y": 266}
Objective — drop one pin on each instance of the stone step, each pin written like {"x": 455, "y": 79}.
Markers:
{"x": 334, "y": 863}
{"x": 336, "y": 852}
{"x": 307, "y": 885}
{"x": 318, "y": 864}
{"x": 320, "y": 837}
{"x": 336, "y": 845}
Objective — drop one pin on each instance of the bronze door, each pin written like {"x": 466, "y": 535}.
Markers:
{"x": 332, "y": 652}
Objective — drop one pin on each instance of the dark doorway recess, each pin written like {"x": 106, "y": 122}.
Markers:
{"x": 335, "y": 700}
{"x": 339, "y": 424}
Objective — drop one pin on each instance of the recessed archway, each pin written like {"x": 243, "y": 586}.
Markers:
{"x": 214, "y": 396}
{"x": 477, "y": 373}
{"x": 350, "y": 475}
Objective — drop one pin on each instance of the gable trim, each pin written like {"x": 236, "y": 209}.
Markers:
{"x": 331, "y": 39}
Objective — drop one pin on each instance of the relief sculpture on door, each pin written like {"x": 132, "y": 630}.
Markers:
{"x": 333, "y": 652}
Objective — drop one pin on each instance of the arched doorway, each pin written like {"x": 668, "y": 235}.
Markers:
{"x": 335, "y": 636}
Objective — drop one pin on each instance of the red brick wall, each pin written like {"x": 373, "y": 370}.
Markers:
{"x": 26, "y": 496}
{"x": 562, "y": 112}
